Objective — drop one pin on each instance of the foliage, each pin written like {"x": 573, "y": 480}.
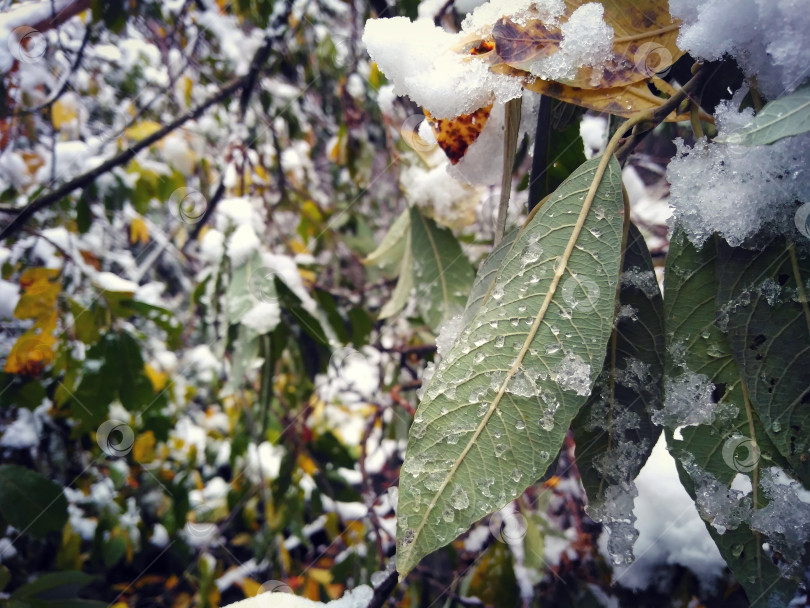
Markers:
{"x": 259, "y": 338}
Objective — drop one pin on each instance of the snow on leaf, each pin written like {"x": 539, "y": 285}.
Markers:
{"x": 783, "y": 117}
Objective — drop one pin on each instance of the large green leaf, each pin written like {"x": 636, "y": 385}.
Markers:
{"x": 763, "y": 301}
{"x": 614, "y": 433}
{"x": 442, "y": 274}
{"x": 30, "y": 502}
{"x": 392, "y": 247}
{"x": 499, "y": 405}
{"x": 789, "y": 115}
{"x": 726, "y": 438}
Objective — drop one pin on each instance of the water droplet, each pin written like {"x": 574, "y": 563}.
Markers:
{"x": 482, "y": 409}
{"x": 515, "y": 322}
{"x": 452, "y": 438}
{"x": 493, "y": 324}
{"x": 448, "y": 515}
{"x": 434, "y": 481}
{"x": 498, "y": 292}
{"x": 520, "y": 425}
{"x": 459, "y": 498}
{"x": 522, "y": 308}
{"x": 736, "y": 550}
{"x": 478, "y": 358}
{"x": 776, "y": 426}
{"x": 516, "y": 475}
{"x": 499, "y": 341}
{"x": 543, "y": 455}
{"x": 500, "y": 448}
{"x": 555, "y": 330}
{"x": 552, "y": 348}
{"x": 408, "y": 536}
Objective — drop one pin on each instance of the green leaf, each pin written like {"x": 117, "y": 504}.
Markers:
{"x": 763, "y": 301}
{"x": 404, "y": 284}
{"x": 443, "y": 275}
{"x": 392, "y": 247}
{"x": 783, "y": 117}
{"x": 499, "y": 405}
{"x": 614, "y": 433}
{"x": 486, "y": 275}
{"x": 710, "y": 455}
{"x": 99, "y": 384}
{"x": 30, "y": 502}
{"x": 135, "y": 390}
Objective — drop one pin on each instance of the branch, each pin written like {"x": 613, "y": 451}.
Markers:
{"x": 244, "y": 83}
{"x": 661, "y": 112}
{"x": 383, "y": 590}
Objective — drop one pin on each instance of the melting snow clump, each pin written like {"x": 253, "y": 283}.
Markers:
{"x": 736, "y": 190}
{"x": 723, "y": 507}
{"x": 688, "y": 401}
{"x": 574, "y": 374}
{"x": 785, "y": 520}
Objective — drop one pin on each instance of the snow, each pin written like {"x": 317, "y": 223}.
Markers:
{"x": 264, "y": 461}
{"x": 586, "y": 41}
{"x": 743, "y": 189}
{"x": 767, "y": 38}
{"x": 263, "y": 317}
{"x": 687, "y": 401}
{"x": 785, "y": 520}
{"x": 112, "y": 282}
{"x": 9, "y": 296}
{"x": 670, "y": 529}
{"x": 593, "y": 130}
{"x": 23, "y": 433}
{"x": 359, "y": 597}
{"x": 242, "y": 244}
{"x": 25, "y": 15}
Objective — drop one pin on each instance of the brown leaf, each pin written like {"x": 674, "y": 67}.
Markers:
{"x": 517, "y": 45}
{"x": 455, "y": 135}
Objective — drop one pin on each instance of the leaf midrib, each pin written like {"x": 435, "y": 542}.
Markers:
{"x": 445, "y": 296}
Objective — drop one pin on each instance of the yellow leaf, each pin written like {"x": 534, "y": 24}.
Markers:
{"x": 307, "y": 464}
{"x": 324, "y": 577}
{"x": 40, "y": 289}
{"x": 62, "y": 113}
{"x": 250, "y": 587}
{"x": 622, "y": 101}
{"x": 158, "y": 379}
{"x": 143, "y": 450}
{"x": 138, "y": 232}
{"x": 142, "y": 129}
{"x": 30, "y": 354}
{"x": 455, "y": 135}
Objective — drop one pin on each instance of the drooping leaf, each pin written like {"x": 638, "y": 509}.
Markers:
{"x": 762, "y": 297}
{"x": 443, "y": 275}
{"x": 392, "y": 247}
{"x": 780, "y": 118}
{"x": 715, "y": 449}
{"x": 399, "y": 298}
{"x": 614, "y": 432}
{"x": 30, "y": 502}
{"x": 455, "y": 135}
{"x": 499, "y": 405}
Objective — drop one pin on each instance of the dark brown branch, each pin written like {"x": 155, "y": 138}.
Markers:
{"x": 384, "y": 590}
{"x": 659, "y": 114}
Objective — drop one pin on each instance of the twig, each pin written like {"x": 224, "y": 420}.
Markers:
{"x": 384, "y": 590}
{"x": 658, "y": 115}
